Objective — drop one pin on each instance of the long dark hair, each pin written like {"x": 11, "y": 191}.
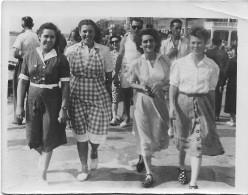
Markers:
{"x": 147, "y": 31}
{"x": 53, "y": 27}
{"x": 97, "y": 37}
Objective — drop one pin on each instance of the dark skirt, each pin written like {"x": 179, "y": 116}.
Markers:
{"x": 195, "y": 129}
{"x": 42, "y": 112}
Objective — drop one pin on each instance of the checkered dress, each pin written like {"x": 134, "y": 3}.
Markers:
{"x": 89, "y": 105}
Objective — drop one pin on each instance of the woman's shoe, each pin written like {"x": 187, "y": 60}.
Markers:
{"x": 94, "y": 159}
{"x": 140, "y": 165}
{"x": 148, "y": 181}
{"x": 82, "y": 176}
{"x": 113, "y": 122}
{"x": 230, "y": 123}
{"x": 193, "y": 187}
{"x": 182, "y": 177}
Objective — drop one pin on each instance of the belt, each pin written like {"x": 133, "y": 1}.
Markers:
{"x": 47, "y": 86}
{"x": 193, "y": 94}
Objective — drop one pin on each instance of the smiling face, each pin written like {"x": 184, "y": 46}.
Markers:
{"x": 87, "y": 34}
{"x": 148, "y": 44}
{"x": 197, "y": 45}
{"x": 47, "y": 40}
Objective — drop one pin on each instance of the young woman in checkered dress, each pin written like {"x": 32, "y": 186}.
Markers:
{"x": 89, "y": 105}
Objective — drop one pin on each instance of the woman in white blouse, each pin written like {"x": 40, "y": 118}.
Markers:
{"x": 192, "y": 92}
{"x": 149, "y": 75}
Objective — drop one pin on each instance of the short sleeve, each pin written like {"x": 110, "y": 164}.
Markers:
{"x": 64, "y": 69}
{"x": 109, "y": 67}
{"x": 132, "y": 73}
{"x": 18, "y": 43}
{"x": 214, "y": 77}
{"x": 24, "y": 74}
{"x": 162, "y": 48}
{"x": 174, "y": 74}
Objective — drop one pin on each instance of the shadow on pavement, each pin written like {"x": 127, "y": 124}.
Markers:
{"x": 161, "y": 174}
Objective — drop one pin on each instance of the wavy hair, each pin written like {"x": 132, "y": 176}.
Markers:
{"x": 200, "y": 33}
{"x": 147, "y": 31}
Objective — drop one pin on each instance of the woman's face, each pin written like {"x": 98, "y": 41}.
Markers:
{"x": 47, "y": 39}
{"x": 197, "y": 45}
{"x": 115, "y": 43}
{"x": 87, "y": 34}
{"x": 148, "y": 43}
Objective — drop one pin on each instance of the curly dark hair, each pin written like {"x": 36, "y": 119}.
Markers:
{"x": 76, "y": 36}
{"x": 53, "y": 27}
{"x": 200, "y": 33}
{"x": 97, "y": 37}
{"x": 176, "y": 20}
{"x": 147, "y": 31}
{"x": 27, "y": 22}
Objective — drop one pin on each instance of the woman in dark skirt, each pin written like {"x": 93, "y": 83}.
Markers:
{"x": 46, "y": 107}
{"x": 193, "y": 80}
{"x": 231, "y": 88}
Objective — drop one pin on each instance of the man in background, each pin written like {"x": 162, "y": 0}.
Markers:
{"x": 220, "y": 57}
{"x": 25, "y": 42}
{"x": 174, "y": 47}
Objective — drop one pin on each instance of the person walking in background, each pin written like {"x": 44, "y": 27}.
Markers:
{"x": 149, "y": 75}
{"x": 25, "y": 42}
{"x": 221, "y": 58}
{"x": 193, "y": 79}
{"x": 231, "y": 88}
{"x": 46, "y": 107}
{"x": 115, "y": 42}
{"x": 128, "y": 52}
{"x": 90, "y": 105}
{"x": 175, "y": 47}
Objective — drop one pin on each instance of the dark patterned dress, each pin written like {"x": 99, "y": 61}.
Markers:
{"x": 44, "y": 98}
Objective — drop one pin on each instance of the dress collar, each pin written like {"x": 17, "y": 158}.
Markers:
{"x": 48, "y": 56}
{"x": 144, "y": 57}
{"x": 205, "y": 60}
{"x": 96, "y": 45}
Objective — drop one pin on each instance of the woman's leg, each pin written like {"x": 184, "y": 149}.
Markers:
{"x": 83, "y": 155}
{"x": 148, "y": 164}
{"x": 182, "y": 155}
{"x": 44, "y": 163}
{"x": 127, "y": 95}
{"x": 233, "y": 117}
{"x": 195, "y": 169}
{"x": 94, "y": 156}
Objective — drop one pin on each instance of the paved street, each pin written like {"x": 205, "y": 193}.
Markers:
{"x": 116, "y": 171}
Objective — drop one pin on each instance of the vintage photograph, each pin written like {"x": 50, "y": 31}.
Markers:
{"x": 119, "y": 103}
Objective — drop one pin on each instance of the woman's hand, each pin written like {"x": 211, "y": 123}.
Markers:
{"x": 156, "y": 87}
{"x": 63, "y": 116}
{"x": 148, "y": 91}
{"x": 20, "y": 113}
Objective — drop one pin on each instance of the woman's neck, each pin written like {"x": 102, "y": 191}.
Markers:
{"x": 197, "y": 57}
{"x": 45, "y": 51}
{"x": 150, "y": 56}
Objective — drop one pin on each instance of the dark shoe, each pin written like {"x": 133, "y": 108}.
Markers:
{"x": 182, "y": 177}
{"x": 217, "y": 119}
{"x": 148, "y": 181}
{"x": 140, "y": 165}
{"x": 193, "y": 187}
{"x": 17, "y": 122}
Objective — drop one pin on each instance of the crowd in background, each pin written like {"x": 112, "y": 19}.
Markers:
{"x": 174, "y": 83}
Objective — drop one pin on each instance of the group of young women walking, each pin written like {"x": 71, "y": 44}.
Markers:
{"x": 83, "y": 99}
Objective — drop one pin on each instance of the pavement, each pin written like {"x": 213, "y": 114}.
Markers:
{"x": 116, "y": 172}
